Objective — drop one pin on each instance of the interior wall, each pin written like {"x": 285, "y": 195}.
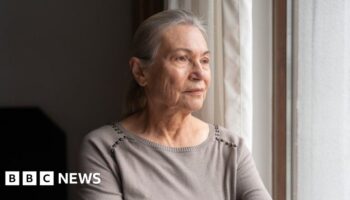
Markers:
{"x": 262, "y": 89}
{"x": 69, "y": 58}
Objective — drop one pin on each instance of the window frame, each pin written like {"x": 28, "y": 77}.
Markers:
{"x": 279, "y": 98}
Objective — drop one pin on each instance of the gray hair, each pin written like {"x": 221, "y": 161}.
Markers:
{"x": 146, "y": 39}
{"x": 146, "y": 42}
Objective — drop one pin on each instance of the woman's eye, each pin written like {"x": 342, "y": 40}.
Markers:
{"x": 181, "y": 58}
{"x": 205, "y": 61}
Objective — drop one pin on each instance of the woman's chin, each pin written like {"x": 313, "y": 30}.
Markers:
{"x": 195, "y": 106}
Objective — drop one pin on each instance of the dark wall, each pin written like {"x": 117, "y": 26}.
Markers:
{"x": 68, "y": 57}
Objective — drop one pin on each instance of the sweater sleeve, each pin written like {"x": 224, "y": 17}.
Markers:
{"x": 95, "y": 157}
{"x": 249, "y": 183}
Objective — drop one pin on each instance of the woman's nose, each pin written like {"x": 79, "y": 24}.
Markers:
{"x": 196, "y": 71}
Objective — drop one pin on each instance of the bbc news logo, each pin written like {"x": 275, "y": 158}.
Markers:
{"x": 47, "y": 178}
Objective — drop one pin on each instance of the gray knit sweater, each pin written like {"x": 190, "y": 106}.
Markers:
{"x": 133, "y": 168}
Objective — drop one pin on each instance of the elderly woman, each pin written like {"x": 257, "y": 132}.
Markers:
{"x": 160, "y": 150}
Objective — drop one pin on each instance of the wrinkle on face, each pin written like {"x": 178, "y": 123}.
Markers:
{"x": 167, "y": 79}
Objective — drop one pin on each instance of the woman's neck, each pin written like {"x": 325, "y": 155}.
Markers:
{"x": 171, "y": 129}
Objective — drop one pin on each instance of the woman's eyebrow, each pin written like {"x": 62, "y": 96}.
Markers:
{"x": 189, "y": 51}
{"x": 206, "y": 52}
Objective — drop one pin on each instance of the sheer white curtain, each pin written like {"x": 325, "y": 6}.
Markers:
{"x": 322, "y": 49}
{"x": 229, "y": 27}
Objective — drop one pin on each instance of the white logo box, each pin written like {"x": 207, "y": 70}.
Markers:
{"x": 29, "y": 178}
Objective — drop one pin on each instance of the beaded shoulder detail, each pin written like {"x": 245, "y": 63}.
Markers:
{"x": 220, "y": 139}
{"x": 121, "y": 137}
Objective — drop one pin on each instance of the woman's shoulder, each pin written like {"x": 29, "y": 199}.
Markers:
{"x": 228, "y": 137}
{"x": 103, "y": 135}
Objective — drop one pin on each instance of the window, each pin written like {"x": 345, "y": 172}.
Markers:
{"x": 311, "y": 100}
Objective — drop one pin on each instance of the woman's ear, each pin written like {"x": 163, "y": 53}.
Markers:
{"x": 137, "y": 70}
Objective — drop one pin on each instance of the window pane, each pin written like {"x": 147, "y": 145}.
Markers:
{"x": 322, "y": 42}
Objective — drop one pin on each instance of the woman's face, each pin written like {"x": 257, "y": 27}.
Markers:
{"x": 180, "y": 74}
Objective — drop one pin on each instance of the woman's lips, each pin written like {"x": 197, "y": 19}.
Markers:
{"x": 195, "y": 91}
